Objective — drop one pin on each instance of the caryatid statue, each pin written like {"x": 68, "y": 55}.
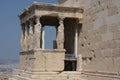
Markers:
{"x": 37, "y": 32}
{"x": 22, "y": 40}
{"x": 60, "y": 34}
{"x": 31, "y": 35}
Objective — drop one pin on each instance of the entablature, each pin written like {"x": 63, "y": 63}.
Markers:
{"x": 40, "y": 9}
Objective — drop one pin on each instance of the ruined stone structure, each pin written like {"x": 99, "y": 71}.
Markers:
{"x": 87, "y": 41}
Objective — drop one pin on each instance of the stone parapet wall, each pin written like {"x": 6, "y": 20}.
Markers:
{"x": 49, "y": 60}
{"x": 42, "y": 60}
{"x": 26, "y": 60}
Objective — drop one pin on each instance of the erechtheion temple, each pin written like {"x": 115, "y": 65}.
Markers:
{"x": 87, "y": 45}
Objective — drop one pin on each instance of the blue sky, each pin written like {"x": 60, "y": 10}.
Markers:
{"x": 10, "y": 26}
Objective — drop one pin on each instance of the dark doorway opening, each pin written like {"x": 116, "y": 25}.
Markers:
{"x": 71, "y": 24}
{"x": 70, "y": 65}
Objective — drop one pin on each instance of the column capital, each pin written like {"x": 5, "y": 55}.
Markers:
{"x": 37, "y": 20}
{"x": 23, "y": 28}
{"x": 30, "y": 22}
{"x": 23, "y": 24}
{"x": 61, "y": 18}
{"x": 80, "y": 20}
{"x": 38, "y": 16}
{"x": 27, "y": 24}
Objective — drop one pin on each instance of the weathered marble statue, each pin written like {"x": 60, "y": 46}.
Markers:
{"x": 60, "y": 34}
{"x": 22, "y": 38}
{"x": 31, "y": 35}
{"x": 26, "y": 37}
{"x": 38, "y": 27}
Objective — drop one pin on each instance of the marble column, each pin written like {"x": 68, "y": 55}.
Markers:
{"x": 37, "y": 32}
{"x": 76, "y": 42}
{"x": 43, "y": 38}
{"x": 77, "y": 27}
{"x": 60, "y": 34}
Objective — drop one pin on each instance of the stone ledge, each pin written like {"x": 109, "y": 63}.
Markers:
{"x": 102, "y": 74}
{"x": 67, "y": 75}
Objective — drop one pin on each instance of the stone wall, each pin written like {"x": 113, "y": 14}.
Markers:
{"x": 42, "y": 60}
{"x": 100, "y": 40}
{"x": 49, "y": 60}
{"x": 26, "y": 60}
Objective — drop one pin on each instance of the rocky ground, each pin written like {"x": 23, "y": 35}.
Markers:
{"x": 7, "y": 67}
{"x": 5, "y": 76}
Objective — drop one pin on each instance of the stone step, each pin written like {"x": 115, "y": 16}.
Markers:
{"x": 56, "y": 77}
{"x": 25, "y": 75}
{"x": 48, "y": 76}
{"x": 17, "y": 77}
